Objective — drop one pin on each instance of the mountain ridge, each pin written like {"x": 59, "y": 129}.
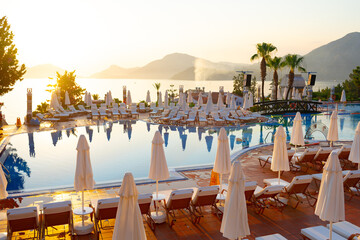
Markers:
{"x": 332, "y": 61}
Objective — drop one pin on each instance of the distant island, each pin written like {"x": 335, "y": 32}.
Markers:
{"x": 332, "y": 61}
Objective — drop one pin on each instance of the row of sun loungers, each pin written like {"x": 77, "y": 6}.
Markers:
{"x": 176, "y": 116}
{"x": 312, "y": 157}
{"x": 192, "y": 200}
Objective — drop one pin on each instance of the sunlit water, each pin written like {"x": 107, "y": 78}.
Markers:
{"x": 15, "y": 101}
{"x": 46, "y": 160}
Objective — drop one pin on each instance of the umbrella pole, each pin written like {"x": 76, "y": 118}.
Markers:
{"x": 295, "y": 148}
{"x": 220, "y": 187}
{"x": 330, "y": 230}
{"x": 82, "y": 206}
{"x": 279, "y": 177}
{"x": 157, "y": 193}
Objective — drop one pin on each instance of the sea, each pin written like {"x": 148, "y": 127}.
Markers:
{"x": 15, "y": 102}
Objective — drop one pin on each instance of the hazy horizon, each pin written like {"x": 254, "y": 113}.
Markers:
{"x": 89, "y": 36}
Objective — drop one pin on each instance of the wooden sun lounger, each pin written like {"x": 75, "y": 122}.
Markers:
{"x": 178, "y": 200}
{"x": 261, "y": 195}
{"x": 22, "y": 219}
{"x": 144, "y": 201}
{"x": 346, "y": 229}
{"x": 57, "y": 213}
{"x": 204, "y": 196}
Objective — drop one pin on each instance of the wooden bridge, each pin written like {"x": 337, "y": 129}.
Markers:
{"x": 287, "y": 106}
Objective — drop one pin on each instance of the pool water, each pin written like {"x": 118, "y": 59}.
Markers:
{"x": 46, "y": 160}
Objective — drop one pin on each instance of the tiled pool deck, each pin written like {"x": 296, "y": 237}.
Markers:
{"x": 289, "y": 222}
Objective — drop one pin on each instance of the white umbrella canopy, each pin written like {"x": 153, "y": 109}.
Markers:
{"x": 297, "y": 135}
{"x": 86, "y": 97}
{"x": 200, "y": 100}
{"x": 128, "y": 100}
{"x": 278, "y": 96}
{"x": 190, "y": 98}
{"x": 304, "y": 93}
{"x": 251, "y": 100}
{"x": 166, "y": 99}
{"x": 220, "y": 103}
{"x": 158, "y": 166}
{"x": 110, "y": 98}
{"x": 232, "y": 104}
{"x": 343, "y": 96}
{"x": 355, "y": 147}
{"x": 67, "y": 99}
{"x": 234, "y": 223}
{"x": 148, "y": 99}
{"x": 228, "y": 98}
{"x": 222, "y": 163}
{"x": 209, "y": 103}
{"x": 89, "y": 99}
{"x": 54, "y": 103}
{"x": 280, "y": 160}
{"x": 293, "y": 93}
{"x": 128, "y": 223}
{"x": 160, "y": 103}
{"x": 285, "y": 92}
{"x": 333, "y": 134}
{"x": 246, "y": 101}
{"x": 330, "y": 204}
{"x": 83, "y": 173}
{"x": 3, "y": 184}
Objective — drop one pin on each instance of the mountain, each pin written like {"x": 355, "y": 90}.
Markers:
{"x": 178, "y": 66}
{"x": 335, "y": 60}
{"x": 43, "y": 71}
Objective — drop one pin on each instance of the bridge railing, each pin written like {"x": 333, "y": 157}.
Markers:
{"x": 286, "y": 106}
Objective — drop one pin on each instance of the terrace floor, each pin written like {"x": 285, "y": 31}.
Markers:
{"x": 289, "y": 222}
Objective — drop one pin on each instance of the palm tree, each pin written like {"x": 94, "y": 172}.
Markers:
{"x": 157, "y": 87}
{"x": 263, "y": 51}
{"x": 293, "y": 61}
{"x": 275, "y": 64}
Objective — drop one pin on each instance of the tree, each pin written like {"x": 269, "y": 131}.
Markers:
{"x": 263, "y": 51}
{"x": 238, "y": 86}
{"x": 10, "y": 70}
{"x": 275, "y": 64}
{"x": 157, "y": 87}
{"x": 293, "y": 61}
{"x": 43, "y": 107}
{"x": 66, "y": 82}
{"x": 252, "y": 89}
{"x": 352, "y": 85}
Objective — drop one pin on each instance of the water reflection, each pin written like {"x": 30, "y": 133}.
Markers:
{"x": 17, "y": 169}
{"x": 166, "y": 138}
{"x": 183, "y": 141}
{"x": 109, "y": 130}
{"x": 56, "y": 136}
{"x": 90, "y": 132}
{"x": 148, "y": 126}
{"x": 31, "y": 145}
{"x": 342, "y": 121}
{"x": 232, "y": 141}
{"x": 209, "y": 140}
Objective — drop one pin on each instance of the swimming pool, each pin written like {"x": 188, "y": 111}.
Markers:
{"x": 46, "y": 160}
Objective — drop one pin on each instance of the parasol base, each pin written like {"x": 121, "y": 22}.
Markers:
{"x": 83, "y": 229}
{"x": 158, "y": 218}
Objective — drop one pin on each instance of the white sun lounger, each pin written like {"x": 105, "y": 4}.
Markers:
{"x": 319, "y": 233}
{"x": 271, "y": 237}
{"x": 43, "y": 118}
{"x": 345, "y": 229}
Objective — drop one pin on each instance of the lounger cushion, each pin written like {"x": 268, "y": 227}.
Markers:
{"x": 320, "y": 233}
{"x": 249, "y": 186}
{"x": 209, "y": 190}
{"x": 300, "y": 180}
{"x": 21, "y": 213}
{"x": 271, "y": 237}
{"x": 57, "y": 207}
{"x": 144, "y": 198}
{"x": 268, "y": 190}
{"x": 317, "y": 176}
{"x": 345, "y": 229}
{"x": 265, "y": 158}
{"x": 180, "y": 194}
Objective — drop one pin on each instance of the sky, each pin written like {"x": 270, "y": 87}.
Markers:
{"x": 90, "y": 35}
